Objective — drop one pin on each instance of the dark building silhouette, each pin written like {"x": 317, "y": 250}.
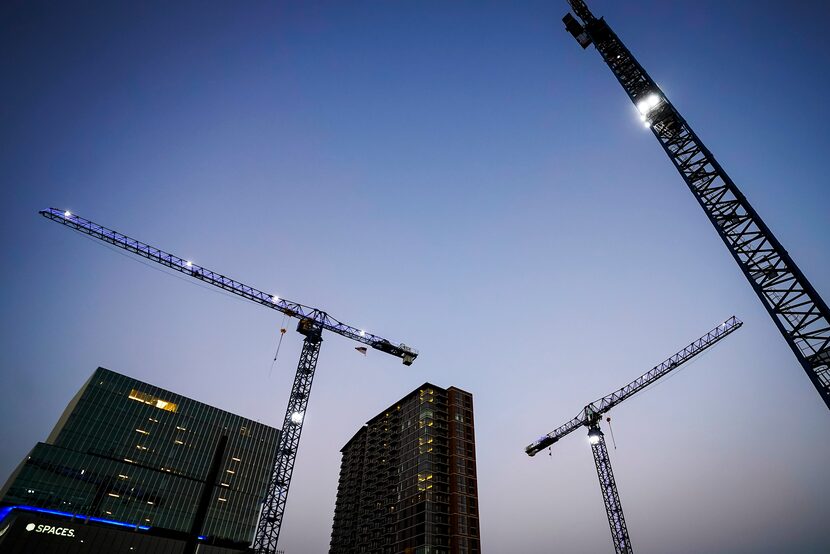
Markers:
{"x": 127, "y": 455}
{"x": 408, "y": 479}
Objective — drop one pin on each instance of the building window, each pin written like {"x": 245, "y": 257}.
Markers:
{"x": 153, "y": 401}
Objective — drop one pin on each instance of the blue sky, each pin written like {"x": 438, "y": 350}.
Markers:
{"x": 458, "y": 176}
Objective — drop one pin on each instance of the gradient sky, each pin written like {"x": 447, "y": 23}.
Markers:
{"x": 458, "y": 176}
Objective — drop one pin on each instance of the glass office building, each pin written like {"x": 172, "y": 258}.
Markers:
{"x": 128, "y": 451}
{"x": 408, "y": 481}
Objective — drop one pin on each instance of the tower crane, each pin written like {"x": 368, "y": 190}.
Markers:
{"x": 591, "y": 415}
{"x": 312, "y": 322}
{"x": 798, "y": 311}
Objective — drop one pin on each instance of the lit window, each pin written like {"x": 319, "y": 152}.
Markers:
{"x": 112, "y": 494}
{"x": 153, "y": 401}
{"x": 150, "y": 502}
{"x": 122, "y": 476}
{"x": 142, "y": 431}
{"x": 177, "y": 441}
{"x": 236, "y": 459}
{"x": 222, "y": 499}
{"x": 230, "y": 471}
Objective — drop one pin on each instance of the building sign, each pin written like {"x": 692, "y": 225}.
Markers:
{"x": 51, "y": 530}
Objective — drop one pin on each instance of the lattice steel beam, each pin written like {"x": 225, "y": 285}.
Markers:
{"x": 610, "y": 495}
{"x": 798, "y": 311}
{"x": 312, "y": 322}
{"x": 270, "y": 522}
{"x": 589, "y": 413}
{"x": 269, "y": 300}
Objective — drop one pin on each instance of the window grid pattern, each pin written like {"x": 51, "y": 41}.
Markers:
{"x": 133, "y": 452}
{"x": 398, "y": 476}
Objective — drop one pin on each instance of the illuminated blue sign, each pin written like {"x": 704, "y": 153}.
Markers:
{"x": 7, "y": 510}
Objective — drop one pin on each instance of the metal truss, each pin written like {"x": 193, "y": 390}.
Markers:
{"x": 312, "y": 322}
{"x": 798, "y": 311}
{"x": 613, "y": 507}
{"x": 287, "y": 307}
{"x": 270, "y": 522}
{"x": 589, "y": 414}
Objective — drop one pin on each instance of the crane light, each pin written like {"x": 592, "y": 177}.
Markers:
{"x": 188, "y": 263}
{"x": 648, "y": 103}
{"x": 362, "y": 333}
{"x": 275, "y": 299}
{"x": 67, "y": 214}
{"x": 297, "y": 418}
{"x": 594, "y": 434}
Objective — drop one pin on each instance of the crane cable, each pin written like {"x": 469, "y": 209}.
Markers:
{"x": 608, "y": 419}
{"x": 171, "y": 274}
{"x": 279, "y": 344}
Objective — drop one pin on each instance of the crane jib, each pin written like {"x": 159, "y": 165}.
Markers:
{"x": 591, "y": 413}
{"x": 287, "y": 307}
{"x": 796, "y": 308}
{"x": 311, "y": 324}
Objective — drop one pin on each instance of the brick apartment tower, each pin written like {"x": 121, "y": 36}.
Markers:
{"x": 408, "y": 479}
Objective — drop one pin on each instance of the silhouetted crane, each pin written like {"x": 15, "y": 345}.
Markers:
{"x": 311, "y": 324}
{"x": 591, "y": 415}
{"x": 796, "y": 308}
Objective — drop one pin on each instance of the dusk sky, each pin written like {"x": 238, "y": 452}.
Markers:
{"x": 458, "y": 176}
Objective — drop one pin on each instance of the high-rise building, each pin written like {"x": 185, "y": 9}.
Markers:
{"x": 135, "y": 456}
{"x": 408, "y": 480}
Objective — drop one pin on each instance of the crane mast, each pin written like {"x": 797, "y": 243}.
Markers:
{"x": 798, "y": 311}
{"x": 312, "y": 322}
{"x": 610, "y": 495}
{"x": 591, "y": 416}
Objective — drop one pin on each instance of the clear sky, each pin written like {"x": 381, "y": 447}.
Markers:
{"x": 461, "y": 177}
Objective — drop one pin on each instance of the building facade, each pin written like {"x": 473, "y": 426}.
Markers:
{"x": 408, "y": 481}
{"x": 130, "y": 452}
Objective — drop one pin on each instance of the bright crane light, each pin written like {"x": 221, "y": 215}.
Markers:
{"x": 275, "y": 299}
{"x": 297, "y": 418}
{"x": 188, "y": 263}
{"x": 594, "y": 435}
{"x": 67, "y": 214}
{"x": 648, "y": 103}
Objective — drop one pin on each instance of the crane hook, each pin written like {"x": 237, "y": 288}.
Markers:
{"x": 608, "y": 419}
{"x": 279, "y": 343}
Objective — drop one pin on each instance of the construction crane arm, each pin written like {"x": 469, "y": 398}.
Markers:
{"x": 580, "y": 8}
{"x": 319, "y": 318}
{"x": 800, "y": 313}
{"x": 594, "y": 410}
